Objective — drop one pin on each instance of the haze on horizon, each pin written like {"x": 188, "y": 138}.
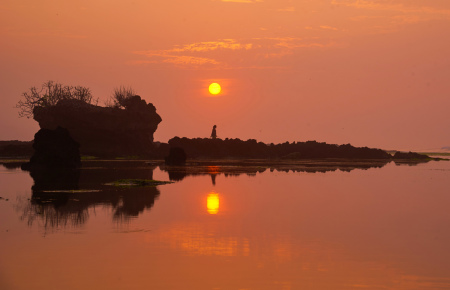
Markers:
{"x": 367, "y": 72}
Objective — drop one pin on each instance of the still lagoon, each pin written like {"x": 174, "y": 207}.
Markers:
{"x": 227, "y": 227}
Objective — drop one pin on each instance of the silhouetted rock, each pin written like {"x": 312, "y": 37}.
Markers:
{"x": 54, "y": 149}
{"x": 236, "y": 148}
{"x": 410, "y": 156}
{"x": 16, "y": 148}
{"x": 104, "y": 131}
{"x": 177, "y": 156}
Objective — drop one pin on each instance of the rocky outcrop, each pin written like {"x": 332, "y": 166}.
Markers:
{"x": 16, "y": 148}
{"x": 54, "y": 150}
{"x": 104, "y": 131}
{"x": 236, "y": 148}
{"x": 410, "y": 156}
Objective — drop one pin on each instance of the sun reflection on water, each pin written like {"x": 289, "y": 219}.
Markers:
{"x": 212, "y": 203}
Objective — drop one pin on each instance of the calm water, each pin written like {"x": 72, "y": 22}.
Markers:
{"x": 379, "y": 228}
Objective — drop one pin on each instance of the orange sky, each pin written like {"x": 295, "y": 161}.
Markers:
{"x": 367, "y": 72}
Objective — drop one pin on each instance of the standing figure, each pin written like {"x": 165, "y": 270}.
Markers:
{"x": 213, "y": 133}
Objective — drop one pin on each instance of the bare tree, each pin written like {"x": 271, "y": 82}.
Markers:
{"x": 50, "y": 94}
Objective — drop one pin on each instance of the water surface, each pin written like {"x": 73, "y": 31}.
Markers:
{"x": 227, "y": 228}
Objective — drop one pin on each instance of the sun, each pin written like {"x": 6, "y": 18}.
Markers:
{"x": 214, "y": 89}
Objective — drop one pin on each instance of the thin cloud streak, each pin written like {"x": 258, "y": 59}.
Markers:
{"x": 370, "y": 5}
{"x": 43, "y": 34}
{"x": 213, "y": 45}
{"x": 230, "y": 53}
{"x": 174, "y": 59}
{"x": 287, "y": 9}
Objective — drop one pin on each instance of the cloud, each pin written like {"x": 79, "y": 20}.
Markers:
{"x": 193, "y": 55}
{"x": 326, "y": 27}
{"x": 291, "y": 43}
{"x": 392, "y": 6}
{"x": 287, "y": 9}
{"x": 42, "y": 34}
{"x": 389, "y": 16}
{"x": 213, "y": 45}
{"x": 181, "y": 60}
{"x": 230, "y": 53}
{"x": 322, "y": 27}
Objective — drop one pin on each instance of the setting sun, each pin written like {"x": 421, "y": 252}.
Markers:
{"x": 214, "y": 88}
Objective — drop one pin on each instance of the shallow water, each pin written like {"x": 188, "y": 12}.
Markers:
{"x": 377, "y": 228}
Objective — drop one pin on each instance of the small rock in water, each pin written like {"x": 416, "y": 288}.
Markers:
{"x": 177, "y": 156}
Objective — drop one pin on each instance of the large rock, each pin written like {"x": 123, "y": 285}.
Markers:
{"x": 104, "y": 131}
{"x": 54, "y": 150}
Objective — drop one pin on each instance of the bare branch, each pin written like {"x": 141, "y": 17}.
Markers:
{"x": 120, "y": 96}
{"x": 49, "y": 95}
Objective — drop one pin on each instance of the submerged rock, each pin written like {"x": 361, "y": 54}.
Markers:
{"x": 104, "y": 131}
{"x": 54, "y": 149}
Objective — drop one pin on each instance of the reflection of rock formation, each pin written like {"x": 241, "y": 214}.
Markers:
{"x": 55, "y": 180}
{"x": 63, "y": 197}
{"x": 177, "y": 175}
{"x": 103, "y": 130}
{"x": 232, "y": 168}
{"x": 135, "y": 201}
{"x": 12, "y": 165}
{"x": 61, "y": 208}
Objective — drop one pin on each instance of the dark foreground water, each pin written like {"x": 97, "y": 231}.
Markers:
{"x": 227, "y": 228}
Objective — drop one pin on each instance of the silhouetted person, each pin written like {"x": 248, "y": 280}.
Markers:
{"x": 213, "y": 133}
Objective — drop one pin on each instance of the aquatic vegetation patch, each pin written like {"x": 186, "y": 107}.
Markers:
{"x": 138, "y": 182}
{"x": 133, "y": 157}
